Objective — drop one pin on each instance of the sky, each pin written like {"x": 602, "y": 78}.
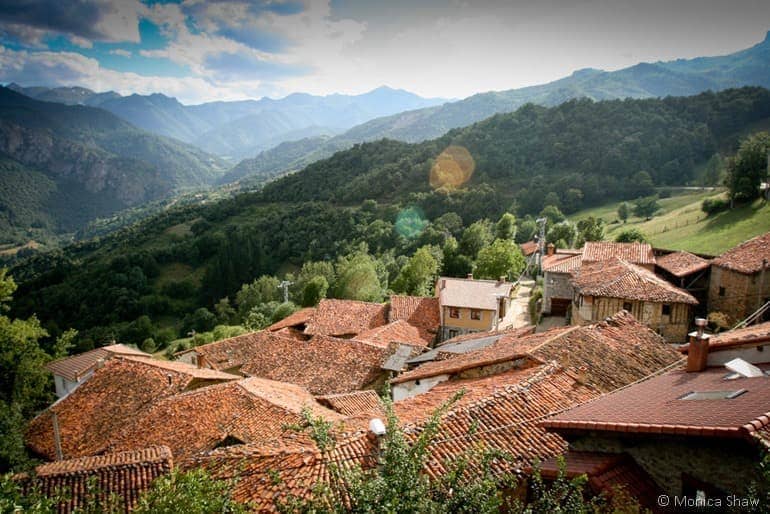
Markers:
{"x": 199, "y": 51}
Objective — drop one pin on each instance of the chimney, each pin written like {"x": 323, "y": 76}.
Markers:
{"x": 99, "y": 363}
{"x": 698, "y": 353}
{"x": 470, "y": 276}
{"x": 551, "y": 249}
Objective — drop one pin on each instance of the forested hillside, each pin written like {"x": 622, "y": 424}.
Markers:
{"x": 750, "y": 67}
{"x": 81, "y": 162}
{"x": 352, "y": 225}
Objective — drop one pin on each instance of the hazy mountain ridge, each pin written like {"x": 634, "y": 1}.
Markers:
{"x": 102, "y": 162}
{"x": 242, "y": 128}
{"x": 682, "y": 77}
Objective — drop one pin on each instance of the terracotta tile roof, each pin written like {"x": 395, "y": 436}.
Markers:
{"x": 75, "y": 367}
{"x": 559, "y": 263}
{"x": 529, "y": 248}
{"x": 346, "y": 317}
{"x": 95, "y": 412}
{"x": 605, "y": 472}
{"x": 398, "y": 331}
{"x": 606, "y": 355}
{"x": 323, "y": 365}
{"x": 232, "y": 353}
{"x": 352, "y": 403}
{"x": 681, "y": 264}
{"x": 746, "y": 257}
{"x": 655, "y": 406}
{"x": 125, "y": 474}
{"x": 299, "y": 319}
{"x": 635, "y": 253}
{"x": 420, "y": 311}
{"x": 504, "y": 419}
{"x": 746, "y": 336}
{"x": 266, "y": 477}
{"x": 471, "y": 293}
{"x": 251, "y": 410}
{"x": 620, "y": 279}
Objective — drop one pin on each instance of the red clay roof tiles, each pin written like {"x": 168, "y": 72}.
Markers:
{"x": 616, "y": 278}
{"x": 636, "y": 253}
{"x": 73, "y": 368}
{"x": 232, "y": 353}
{"x": 398, "y": 331}
{"x": 323, "y": 365}
{"x": 747, "y": 257}
{"x": 352, "y": 403}
{"x": 420, "y": 311}
{"x": 681, "y": 264}
{"x": 92, "y": 415}
{"x": 299, "y": 319}
{"x": 346, "y": 317}
{"x": 561, "y": 263}
{"x": 656, "y": 405}
{"x": 746, "y": 336}
{"x": 124, "y": 474}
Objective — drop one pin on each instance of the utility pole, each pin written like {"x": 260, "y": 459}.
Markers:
{"x": 285, "y": 286}
{"x": 767, "y": 178}
{"x": 541, "y": 238}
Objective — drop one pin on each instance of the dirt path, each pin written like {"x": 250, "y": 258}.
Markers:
{"x": 520, "y": 304}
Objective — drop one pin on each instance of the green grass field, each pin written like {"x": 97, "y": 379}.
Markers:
{"x": 681, "y": 225}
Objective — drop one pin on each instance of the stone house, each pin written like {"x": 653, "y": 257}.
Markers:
{"x": 558, "y": 266}
{"x": 640, "y": 254}
{"x": 468, "y": 305}
{"x": 604, "y": 288}
{"x": 740, "y": 279}
{"x": 699, "y": 432}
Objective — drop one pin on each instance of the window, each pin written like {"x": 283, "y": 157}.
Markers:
{"x": 453, "y": 333}
{"x": 454, "y": 312}
{"x": 712, "y": 395}
{"x": 721, "y": 291}
{"x": 627, "y": 306}
{"x": 475, "y": 314}
{"x": 667, "y": 309}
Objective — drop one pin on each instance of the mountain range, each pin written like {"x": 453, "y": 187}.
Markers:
{"x": 63, "y": 165}
{"x": 242, "y": 128}
{"x": 682, "y": 77}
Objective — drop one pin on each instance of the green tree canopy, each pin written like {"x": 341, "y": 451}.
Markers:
{"x": 418, "y": 275}
{"x": 749, "y": 167}
{"x": 475, "y": 237}
{"x": 262, "y": 290}
{"x": 646, "y": 207}
{"x": 358, "y": 279}
{"x": 624, "y": 211}
{"x": 630, "y": 235}
{"x": 503, "y": 258}
{"x": 191, "y": 492}
{"x": 506, "y": 227}
{"x": 314, "y": 291}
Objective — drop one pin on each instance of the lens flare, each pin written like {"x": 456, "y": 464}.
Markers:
{"x": 410, "y": 223}
{"x": 453, "y": 168}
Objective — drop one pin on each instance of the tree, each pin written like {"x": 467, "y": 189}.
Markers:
{"x": 475, "y": 237}
{"x": 264, "y": 289}
{"x": 418, "y": 275}
{"x": 226, "y": 315}
{"x": 282, "y": 311}
{"x": 590, "y": 229}
{"x": 646, "y": 207}
{"x": 503, "y": 258}
{"x": 314, "y": 291}
{"x": 506, "y": 227}
{"x": 748, "y": 168}
{"x": 202, "y": 320}
{"x": 25, "y": 384}
{"x": 630, "y": 235}
{"x": 454, "y": 264}
{"x": 552, "y": 214}
{"x": 191, "y": 492}
{"x": 563, "y": 234}
{"x": 358, "y": 279}
{"x": 624, "y": 211}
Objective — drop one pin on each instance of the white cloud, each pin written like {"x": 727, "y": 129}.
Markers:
{"x": 120, "y": 52}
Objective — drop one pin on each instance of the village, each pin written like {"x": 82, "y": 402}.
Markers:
{"x": 640, "y": 368}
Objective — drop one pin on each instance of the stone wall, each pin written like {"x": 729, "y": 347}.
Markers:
{"x": 737, "y": 294}
{"x": 556, "y": 285}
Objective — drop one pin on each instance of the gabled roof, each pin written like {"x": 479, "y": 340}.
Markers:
{"x": 617, "y": 278}
{"x": 747, "y": 257}
{"x": 95, "y": 412}
{"x": 346, "y": 317}
{"x": 398, "y": 331}
{"x": 657, "y": 406}
{"x": 299, "y": 319}
{"x": 352, "y": 403}
{"x": 234, "y": 352}
{"x": 606, "y": 355}
{"x": 420, "y": 311}
{"x": 251, "y": 410}
{"x": 635, "y": 253}
{"x": 471, "y": 293}
{"x": 529, "y": 247}
{"x": 124, "y": 474}
{"x": 561, "y": 263}
{"x": 73, "y": 368}
{"x": 323, "y": 365}
{"x": 681, "y": 264}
